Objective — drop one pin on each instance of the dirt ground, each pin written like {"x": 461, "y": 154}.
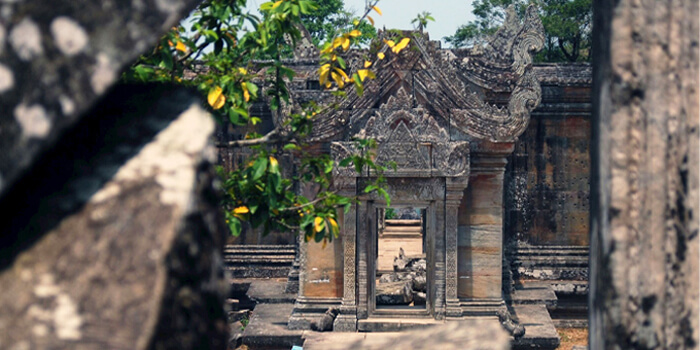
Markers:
{"x": 571, "y": 337}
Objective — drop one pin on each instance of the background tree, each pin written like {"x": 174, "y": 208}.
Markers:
{"x": 331, "y": 18}
{"x": 217, "y": 55}
{"x": 421, "y": 20}
{"x": 567, "y": 25}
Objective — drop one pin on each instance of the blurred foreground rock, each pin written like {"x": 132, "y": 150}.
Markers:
{"x": 58, "y": 58}
{"x": 114, "y": 239}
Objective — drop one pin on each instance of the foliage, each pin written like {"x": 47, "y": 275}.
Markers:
{"x": 330, "y": 20}
{"x": 421, "y": 20}
{"x": 567, "y": 25}
{"x": 389, "y": 213}
{"x": 219, "y": 54}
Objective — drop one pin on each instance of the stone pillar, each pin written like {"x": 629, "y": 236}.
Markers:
{"x": 454, "y": 191}
{"x": 439, "y": 256}
{"x": 347, "y": 319}
{"x": 644, "y": 188}
{"x": 292, "y": 285}
{"x": 362, "y": 241}
{"x": 320, "y": 279}
{"x": 480, "y": 239}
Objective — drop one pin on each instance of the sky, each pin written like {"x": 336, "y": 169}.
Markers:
{"x": 397, "y": 14}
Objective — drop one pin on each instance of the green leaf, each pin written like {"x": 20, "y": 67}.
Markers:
{"x": 259, "y": 168}
{"x": 345, "y": 162}
{"x": 341, "y": 62}
{"x": 234, "y": 225}
{"x": 252, "y": 88}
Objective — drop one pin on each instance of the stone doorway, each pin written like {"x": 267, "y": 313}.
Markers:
{"x": 400, "y": 260}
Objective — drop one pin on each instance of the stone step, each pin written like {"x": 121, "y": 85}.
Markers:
{"x": 252, "y": 271}
{"x": 267, "y": 328}
{"x": 540, "y": 332}
{"x": 270, "y": 292}
{"x": 553, "y": 250}
{"x": 390, "y": 324}
{"x": 558, "y": 261}
{"x": 399, "y": 222}
{"x": 403, "y": 228}
{"x": 529, "y": 294}
{"x": 259, "y": 261}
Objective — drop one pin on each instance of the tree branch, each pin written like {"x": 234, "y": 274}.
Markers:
{"x": 299, "y": 207}
{"x": 270, "y": 137}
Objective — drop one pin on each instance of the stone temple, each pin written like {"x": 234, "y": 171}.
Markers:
{"x": 112, "y": 232}
{"x": 450, "y": 120}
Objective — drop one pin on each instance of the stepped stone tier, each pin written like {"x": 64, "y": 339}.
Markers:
{"x": 449, "y": 120}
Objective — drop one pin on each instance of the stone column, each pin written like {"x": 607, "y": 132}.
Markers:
{"x": 644, "y": 182}
{"x": 439, "y": 256}
{"x": 453, "y": 195}
{"x": 347, "y": 319}
{"x": 362, "y": 242}
{"x": 320, "y": 279}
{"x": 480, "y": 239}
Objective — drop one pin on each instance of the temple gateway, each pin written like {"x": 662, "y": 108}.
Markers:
{"x": 448, "y": 119}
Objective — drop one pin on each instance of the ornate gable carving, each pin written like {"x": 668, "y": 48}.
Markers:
{"x": 412, "y": 139}
{"x": 453, "y": 87}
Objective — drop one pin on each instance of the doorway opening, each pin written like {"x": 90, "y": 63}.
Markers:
{"x": 401, "y": 263}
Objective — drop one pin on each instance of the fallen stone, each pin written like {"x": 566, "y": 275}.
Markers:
{"x": 394, "y": 293}
{"x": 407, "y": 263}
{"x": 419, "y": 298}
{"x": 420, "y": 282}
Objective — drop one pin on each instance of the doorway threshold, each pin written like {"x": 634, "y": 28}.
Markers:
{"x": 395, "y": 324}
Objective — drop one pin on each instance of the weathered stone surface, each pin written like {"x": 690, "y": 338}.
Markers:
{"x": 644, "y": 193}
{"x": 115, "y": 237}
{"x": 539, "y": 328}
{"x": 394, "y": 293}
{"x": 267, "y": 328}
{"x": 472, "y": 334}
{"x": 409, "y": 263}
{"x": 56, "y": 60}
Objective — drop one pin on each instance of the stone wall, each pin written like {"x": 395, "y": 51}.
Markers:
{"x": 547, "y": 177}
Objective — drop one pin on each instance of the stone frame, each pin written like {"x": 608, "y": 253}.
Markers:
{"x": 372, "y": 240}
{"x": 441, "y": 197}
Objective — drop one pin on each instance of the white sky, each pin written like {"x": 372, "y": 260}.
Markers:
{"x": 397, "y": 14}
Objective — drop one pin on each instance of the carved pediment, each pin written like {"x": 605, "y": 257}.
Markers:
{"x": 410, "y": 138}
{"x": 453, "y": 90}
